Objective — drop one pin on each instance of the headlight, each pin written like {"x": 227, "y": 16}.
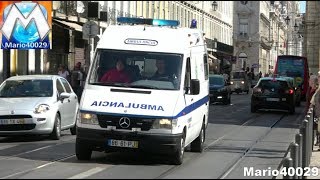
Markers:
{"x": 86, "y": 118}
{"x": 41, "y": 108}
{"x": 242, "y": 82}
{"x": 231, "y": 82}
{"x": 164, "y": 124}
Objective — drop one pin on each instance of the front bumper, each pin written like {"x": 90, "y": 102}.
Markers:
{"x": 97, "y": 140}
{"x": 31, "y": 123}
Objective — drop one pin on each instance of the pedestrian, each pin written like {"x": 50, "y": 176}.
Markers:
{"x": 63, "y": 72}
{"x": 77, "y": 80}
{"x": 260, "y": 74}
{"x": 313, "y": 99}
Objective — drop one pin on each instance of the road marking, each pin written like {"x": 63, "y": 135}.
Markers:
{"x": 2, "y": 147}
{"x": 88, "y": 173}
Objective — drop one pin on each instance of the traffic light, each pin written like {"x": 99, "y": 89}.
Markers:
{"x": 93, "y": 10}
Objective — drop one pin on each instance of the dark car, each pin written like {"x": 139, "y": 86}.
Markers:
{"x": 273, "y": 93}
{"x": 297, "y": 90}
{"x": 219, "y": 89}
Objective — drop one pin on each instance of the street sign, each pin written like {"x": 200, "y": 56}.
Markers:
{"x": 90, "y": 29}
{"x": 255, "y": 65}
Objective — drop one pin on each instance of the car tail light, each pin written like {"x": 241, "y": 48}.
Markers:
{"x": 256, "y": 90}
{"x": 290, "y": 91}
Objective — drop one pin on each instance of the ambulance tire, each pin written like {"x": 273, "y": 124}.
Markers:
{"x": 73, "y": 130}
{"x": 198, "y": 143}
{"x": 178, "y": 155}
{"x": 83, "y": 152}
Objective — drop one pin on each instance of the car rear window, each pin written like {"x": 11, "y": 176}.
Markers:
{"x": 238, "y": 75}
{"x": 273, "y": 84}
{"x": 216, "y": 80}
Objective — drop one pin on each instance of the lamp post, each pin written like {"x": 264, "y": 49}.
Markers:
{"x": 287, "y": 19}
{"x": 214, "y": 6}
{"x": 296, "y": 28}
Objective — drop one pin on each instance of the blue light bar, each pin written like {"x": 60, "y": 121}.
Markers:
{"x": 147, "y": 21}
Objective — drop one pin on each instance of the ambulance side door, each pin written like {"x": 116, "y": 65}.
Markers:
{"x": 190, "y": 100}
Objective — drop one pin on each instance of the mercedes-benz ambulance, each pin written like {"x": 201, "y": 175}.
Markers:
{"x": 155, "y": 115}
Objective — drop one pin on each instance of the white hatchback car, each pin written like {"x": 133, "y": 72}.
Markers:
{"x": 37, "y": 104}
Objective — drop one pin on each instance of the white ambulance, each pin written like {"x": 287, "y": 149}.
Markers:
{"x": 147, "y": 89}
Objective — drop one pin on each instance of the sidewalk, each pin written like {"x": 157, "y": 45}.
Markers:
{"x": 315, "y": 161}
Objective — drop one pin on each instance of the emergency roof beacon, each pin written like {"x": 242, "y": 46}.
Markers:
{"x": 147, "y": 89}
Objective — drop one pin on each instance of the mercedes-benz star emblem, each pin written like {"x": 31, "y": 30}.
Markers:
{"x": 124, "y": 122}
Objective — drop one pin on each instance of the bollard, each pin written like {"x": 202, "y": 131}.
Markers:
{"x": 294, "y": 153}
{"x": 304, "y": 146}
{"x": 298, "y": 140}
{"x": 308, "y": 136}
{"x": 311, "y": 134}
{"x": 287, "y": 162}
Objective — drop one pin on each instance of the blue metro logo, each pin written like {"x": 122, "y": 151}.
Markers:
{"x": 25, "y": 26}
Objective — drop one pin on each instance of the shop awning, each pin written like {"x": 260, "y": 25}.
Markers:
{"x": 212, "y": 56}
{"x": 69, "y": 25}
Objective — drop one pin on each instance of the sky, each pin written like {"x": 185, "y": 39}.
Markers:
{"x": 302, "y": 6}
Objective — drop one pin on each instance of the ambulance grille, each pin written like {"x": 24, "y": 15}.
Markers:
{"x": 107, "y": 120}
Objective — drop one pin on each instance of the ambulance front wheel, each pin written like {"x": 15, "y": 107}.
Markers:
{"x": 83, "y": 152}
{"x": 198, "y": 144}
{"x": 178, "y": 155}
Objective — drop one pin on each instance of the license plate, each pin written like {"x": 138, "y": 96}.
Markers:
{"x": 273, "y": 99}
{"x": 123, "y": 143}
{"x": 11, "y": 121}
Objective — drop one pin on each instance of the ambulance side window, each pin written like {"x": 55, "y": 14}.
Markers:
{"x": 187, "y": 77}
{"x": 206, "y": 66}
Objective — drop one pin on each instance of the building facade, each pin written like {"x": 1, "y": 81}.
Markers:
{"x": 311, "y": 35}
{"x": 69, "y": 45}
{"x": 261, "y": 33}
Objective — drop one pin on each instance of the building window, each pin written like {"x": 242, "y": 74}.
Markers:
{"x": 243, "y": 26}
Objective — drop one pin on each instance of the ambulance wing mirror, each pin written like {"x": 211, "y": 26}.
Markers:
{"x": 194, "y": 87}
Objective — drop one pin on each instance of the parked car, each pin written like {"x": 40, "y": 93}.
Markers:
{"x": 37, "y": 104}
{"x": 239, "y": 82}
{"x": 273, "y": 93}
{"x": 219, "y": 89}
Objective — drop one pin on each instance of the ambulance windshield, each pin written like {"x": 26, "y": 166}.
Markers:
{"x": 146, "y": 70}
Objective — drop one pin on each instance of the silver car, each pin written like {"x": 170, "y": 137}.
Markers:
{"x": 37, "y": 104}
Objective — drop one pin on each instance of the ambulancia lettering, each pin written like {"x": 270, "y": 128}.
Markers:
{"x": 127, "y": 105}
{"x": 141, "y": 42}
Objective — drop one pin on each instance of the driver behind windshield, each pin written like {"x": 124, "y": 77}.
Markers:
{"x": 117, "y": 74}
{"x": 161, "y": 72}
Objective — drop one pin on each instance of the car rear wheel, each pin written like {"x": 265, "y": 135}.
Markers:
{"x": 253, "y": 109}
{"x": 197, "y": 144}
{"x": 292, "y": 110}
{"x": 229, "y": 99}
{"x": 56, "y": 132}
{"x": 298, "y": 102}
{"x": 83, "y": 151}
